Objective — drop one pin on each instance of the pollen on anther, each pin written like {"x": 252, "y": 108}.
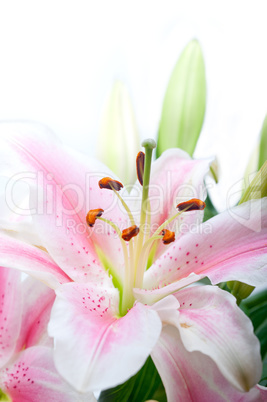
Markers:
{"x": 92, "y": 215}
{"x": 130, "y": 232}
{"x": 191, "y": 205}
{"x": 110, "y": 184}
{"x": 140, "y": 164}
{"x": 168, "y": 236}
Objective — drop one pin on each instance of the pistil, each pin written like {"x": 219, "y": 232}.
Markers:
{"x": 149, "y": 145}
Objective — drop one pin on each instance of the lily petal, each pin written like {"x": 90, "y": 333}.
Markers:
{"x": 149, "y": 297}
{"x": 31, "y": 260}
{"x": 10, "y": 312}
{"x": 211, "y": 322}
{"x": 84, "y": 323}
{"x": 192, "y": 376}
{"x": 175, "y": 178}
{"x": 32, "y": 377}
{"x": 230, "y": 246}
{"x": 38, "y": 300}
{"x": 64, "y": 187}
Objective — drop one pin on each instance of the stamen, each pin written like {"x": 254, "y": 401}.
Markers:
{"x": 130, "y": 232}
{"x": 115, "y": 185}
{"x": 92, "y": 215}
{"x": 168, "y": 236}
{"x": 192, "y": 205}
{"x": 110, "y": 184}
{"x": 140, "y": 165}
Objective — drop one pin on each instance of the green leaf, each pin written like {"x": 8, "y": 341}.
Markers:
{"x": 184, "y": 102}
{"x": 209, "y": 211}
{"x": 138, "y": 388}
{"x": 263, "y": 144}
{"x": 255, "y": 307}
{"x": 262, "y": 335}
{"x": 263, "y": 380}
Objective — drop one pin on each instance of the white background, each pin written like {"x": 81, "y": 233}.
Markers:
{"x": 58, "y": 60}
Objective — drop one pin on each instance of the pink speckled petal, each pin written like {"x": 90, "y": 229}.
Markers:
{"x": 210, "y": 322}
{"x": 38, "y": 300}
{"x": 32, "y": 377}
{"x": 230, "y": 246}
{"x": 103, "y": 350}
{"x": 64, "y": 186}
{"x": 10, "y": 312}
{"x": 149, "y": 297}
{"x": 31, "y": 260}
{"x": 192, "y": 376}
{"x": 175, "y": 178}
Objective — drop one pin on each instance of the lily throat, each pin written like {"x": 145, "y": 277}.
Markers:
{"x": 139, "y": 244}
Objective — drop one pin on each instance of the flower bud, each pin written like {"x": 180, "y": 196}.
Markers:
{"x": 184, "y": 102}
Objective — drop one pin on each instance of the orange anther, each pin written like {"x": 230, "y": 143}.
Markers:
{"x": 110, "y": 184}
{"x": 191, "y": 205}
{"x": 130, "y": 232}
{"x": 140, "y": 165}
{"x": 92, "y": 215}
{"x": 168, "y": 236}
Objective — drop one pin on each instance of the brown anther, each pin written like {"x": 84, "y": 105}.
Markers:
{"x": 140, "y": 165}
{"x": 192, "y": 205}
{"x": 130, "y": 232}
{"x": 110, "y": 184}
{"x": 168, "y": 236}
{"x": 92, "y": 215}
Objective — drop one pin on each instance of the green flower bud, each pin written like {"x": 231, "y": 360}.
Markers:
{"x": 257, "y": 189}
{"x": 184, "y": 103}
{"x": 263, "y": 144}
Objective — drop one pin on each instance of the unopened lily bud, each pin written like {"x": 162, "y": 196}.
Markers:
{"x": 118, "y": 140}
{"x": 184, "y": 102}
{"x": 263, "y": 144}
{"x": 257, "y": 189}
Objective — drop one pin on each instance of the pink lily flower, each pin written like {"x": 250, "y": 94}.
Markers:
{"x": 27, "y": 370}
{"x": 111, "y": 312}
